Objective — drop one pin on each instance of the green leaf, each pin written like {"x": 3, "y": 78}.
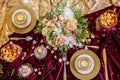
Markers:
{"x": 59, "y": 10}
{"x": 49, "y": 15}
{"x": 64, "y": 32}
{"x": 52, "y": 36}
{"x": 39, "y": 29}
{"x": 77, "y": 14}
{"x": 63, "y": 48}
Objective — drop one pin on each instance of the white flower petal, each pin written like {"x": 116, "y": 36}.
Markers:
{"x": 68, "y": 13}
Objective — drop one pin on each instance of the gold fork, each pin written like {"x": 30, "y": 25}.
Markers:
{"x": 65, "y": 72}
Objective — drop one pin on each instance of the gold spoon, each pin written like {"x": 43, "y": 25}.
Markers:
{"x": 27, "y": 38}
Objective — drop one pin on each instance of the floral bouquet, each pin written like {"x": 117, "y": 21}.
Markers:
{"x": 63, "y": 27}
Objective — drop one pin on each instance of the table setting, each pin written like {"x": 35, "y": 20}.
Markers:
{"x": 59, "y": 40}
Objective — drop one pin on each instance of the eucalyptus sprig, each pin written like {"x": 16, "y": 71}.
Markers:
{"x": 59, "y": 10}
{"x": 39, "y": 29}
{"x": 82, "y": 22}
{"x": 52, "y": 36}
{"x": 82, "y": 25}
{"x": 63, "y": 48}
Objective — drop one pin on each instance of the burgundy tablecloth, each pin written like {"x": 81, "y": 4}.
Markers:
{"x": 109, "y": 39}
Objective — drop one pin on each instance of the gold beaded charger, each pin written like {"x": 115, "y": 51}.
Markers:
{"x": 25, "y": 29}
{"x": 89, "y": 75}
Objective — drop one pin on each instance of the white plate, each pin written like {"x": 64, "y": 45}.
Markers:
{"x": 29, "y": 18}
{"x": 90, "y": 66}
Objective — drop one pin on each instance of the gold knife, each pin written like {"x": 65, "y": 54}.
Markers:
{"x": 105, "y": 63}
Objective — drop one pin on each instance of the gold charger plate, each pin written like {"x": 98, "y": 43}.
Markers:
{"x": 89, "y": 75}
{"x": 21, "y": 30}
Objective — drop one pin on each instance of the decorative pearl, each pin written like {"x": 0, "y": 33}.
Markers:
{"x": 32, "y": 54}
{"x": 41, "y": 41}
{"x": 86, "y": 48}
{"x": 35, "y": 69}
{"x": 80, "y": 45}
{"x": 55, "y": 57}
{"x": 55, "y": 48}
{"x": 67, "y": 62}
{"x": 60, "y": 60}
{"x": 39, "y": 72}
{"x": 52, "y": 51}
{"x": 92, "y": 36}
{"x": 33, "y": 47}
{"x": 34, "y": 41}
{"x": 47, "y": 47}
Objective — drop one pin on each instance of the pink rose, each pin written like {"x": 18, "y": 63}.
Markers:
{"x": 74, "y": 37}
{"x": 63, "y": 23}
{"x": 51, "y": 25}
{"x": 48, "y": 23}
{"x": 67, "y": 30}
{"x": 61, "y": 40}
{"x": 72, "y": 25}
{"x": 61, "y": 17}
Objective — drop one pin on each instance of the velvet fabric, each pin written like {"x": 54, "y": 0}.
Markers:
{"x": 106, "y": 38}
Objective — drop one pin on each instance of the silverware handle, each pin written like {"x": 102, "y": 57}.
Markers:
{"x": 64, "y": 74}
{"x": 14, "y": 38}
{"x": 97, "y": 47}
{"x": 106, "y": 73}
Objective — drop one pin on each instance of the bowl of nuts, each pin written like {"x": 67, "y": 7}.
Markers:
{"x": 108, "y": 19}
{"x": 10, "y": 52}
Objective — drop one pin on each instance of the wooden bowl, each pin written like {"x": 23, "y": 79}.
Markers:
{"x": 108, "y": 19}
{"x": 10, "y": 52}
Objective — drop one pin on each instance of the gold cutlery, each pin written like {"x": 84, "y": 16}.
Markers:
{"x": 90, "y": 46}
{"x": 105, "y": 63}
{"x": 65, "y": 72}
{"x": 27, "y": 38}
{"x": 97, "y": 47}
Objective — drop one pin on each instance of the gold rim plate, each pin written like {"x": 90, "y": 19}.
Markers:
{"x": 21, "y": 30}
{"x": 89, "y": 75}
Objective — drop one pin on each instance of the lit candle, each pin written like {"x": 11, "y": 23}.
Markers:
{"x": 39, "y": 50}
{"x": 84, "y": 63}
{"x": 20, "y": 18}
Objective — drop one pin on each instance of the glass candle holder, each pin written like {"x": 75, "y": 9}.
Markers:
{"x": 25, "y": 70}
{"x": 40, "y": 52}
